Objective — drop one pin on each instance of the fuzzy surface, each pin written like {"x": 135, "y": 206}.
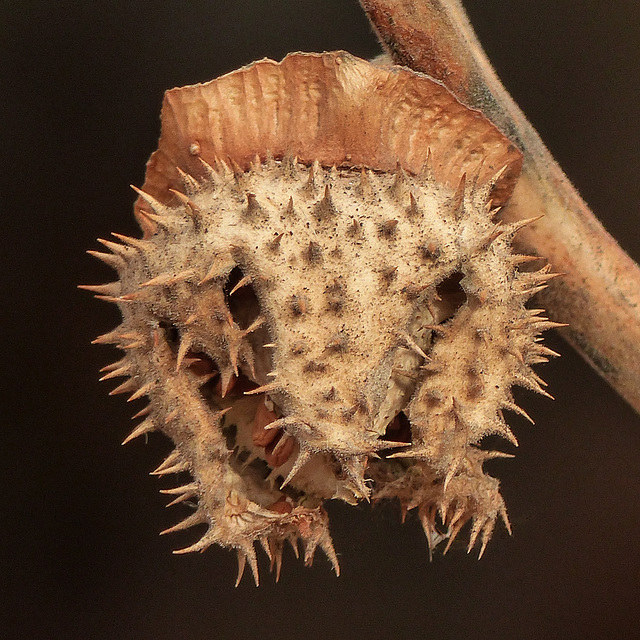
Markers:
{"x": 306, "y": 333}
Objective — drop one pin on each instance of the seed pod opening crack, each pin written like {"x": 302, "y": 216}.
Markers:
{"x": 323, "y": 304}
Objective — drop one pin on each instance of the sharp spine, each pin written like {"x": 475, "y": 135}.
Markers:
{"x": 155, "y": 205}
{"x": 144, "y": 390}
{"x": 145, "y": 427}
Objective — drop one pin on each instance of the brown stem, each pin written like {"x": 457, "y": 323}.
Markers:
{"x": 599, "y": 295}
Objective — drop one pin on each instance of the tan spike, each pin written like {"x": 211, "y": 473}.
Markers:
{"x": 398, "y": 187}
{"x": 311, "y": 185}
{"x": 171, "y": 416}
{"x": 114, "y": 247}
{"x": 475, "y": 175}
{"x": 487, "y": 532}
{"x": 254, "y": 208}
{"x": 116, "y": 299}
{"x": 143, "y": 412}
{"x": 256, "y": 164}
{"x": 114, "y": 261}
{"x": 242, "y": 563}
{"x": 496, "y": 177}
{"x": 148, "y": 226}
{"x": 142, "y": 391}
{"x": 408, "y": 340}
{"x": 212, "y": 174}
{"x": 365, "y": 186}
{"x": 325, "y": 207}
{"x": 436, "y": 328}
{"x": 492, "y": 455}
{"x": 512, "y": 406}
{"x": 173, "y": 458}
{"x": 293, "y": 541}
{"x": 517, "y": 259}
{"x": 290, "y": 211}
{"x": 172, "y": 464}
{"x": 160, "y": 221}
{"x": 189, "y": 182}
{"x": 413, "y": 210}
{"x": 454, "y": 530}
{"x": 475, "y": 530}
{"x": 503, "y": 430}
{"x": 133, "y": 297}
{"x": 126, "y": 387}
{"x": 191, "y": 319}
{"x": 187, "y": 274}
{"x": 513, "y": 227}
{"x": 548, "y": 324}
{"x": 253, "y": 563}
{"x": 426, "y": 173}
{"x": 265, "y": 388}
{"x": 114, "y": 365}
{"x": 144, "y": 427}
{"x": 490, "y": 237}
{"x": 197, "y": 517}
{"x": 532, "y": 385}
{"x": 116, "y": 337}
{"x": 303, "y": 456}
{"x": 326, "y": 545}
{"x": 541, "y": 349}
{"x": 187, "y": 488}
{"x": 238, "y": 171}
{"x": 451, "y": 472}
{"x": 201, "y": 545}
{"x": 185, "y": 345}
{"x": 243, "y": 282}
{"x": 125, "y": 370}
{"x": 222, "y": 167}
{"x": 136, "y": 243}
{"x": 219, "y": 267}
{"x": 227, "y": 381}
{"x": 158, "y": 281}
{"x": 183, "y": 493}
{"x": 110, "y": 289}
{"x": 505, "y": 519}
{"x": 133, "y": 345}
{"x": 256, "y": 324}
{"x": 190, "y": 206}
{"x": 155, "y": 205}
{"x": 274, "y": 245}
{"x": 457, "y": 201}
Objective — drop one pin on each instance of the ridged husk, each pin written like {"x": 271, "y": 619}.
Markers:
{"x": 333, "y": 108}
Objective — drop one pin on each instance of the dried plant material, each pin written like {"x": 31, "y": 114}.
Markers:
{"x": 333, "y": 108}
{"x": 599, "y": 293}
{"x": 323, "y": 305}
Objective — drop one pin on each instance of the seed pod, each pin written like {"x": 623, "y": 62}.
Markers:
{"x": 311, "y": 233}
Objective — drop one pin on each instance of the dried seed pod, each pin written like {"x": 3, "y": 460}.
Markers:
{"x": 315, "y": 264}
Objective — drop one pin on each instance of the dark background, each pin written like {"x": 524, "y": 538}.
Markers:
{"x": 81, "y": 86}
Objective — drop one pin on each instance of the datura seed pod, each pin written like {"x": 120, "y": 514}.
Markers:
{"x": 323, "y": 304}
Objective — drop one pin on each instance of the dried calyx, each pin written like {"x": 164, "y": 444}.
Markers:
{"x": 323, "y": 304}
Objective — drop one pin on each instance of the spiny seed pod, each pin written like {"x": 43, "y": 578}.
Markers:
{"x": 322, "y": 304}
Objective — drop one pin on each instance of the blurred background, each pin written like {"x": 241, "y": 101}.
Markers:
{"x": 81, "y": 85}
